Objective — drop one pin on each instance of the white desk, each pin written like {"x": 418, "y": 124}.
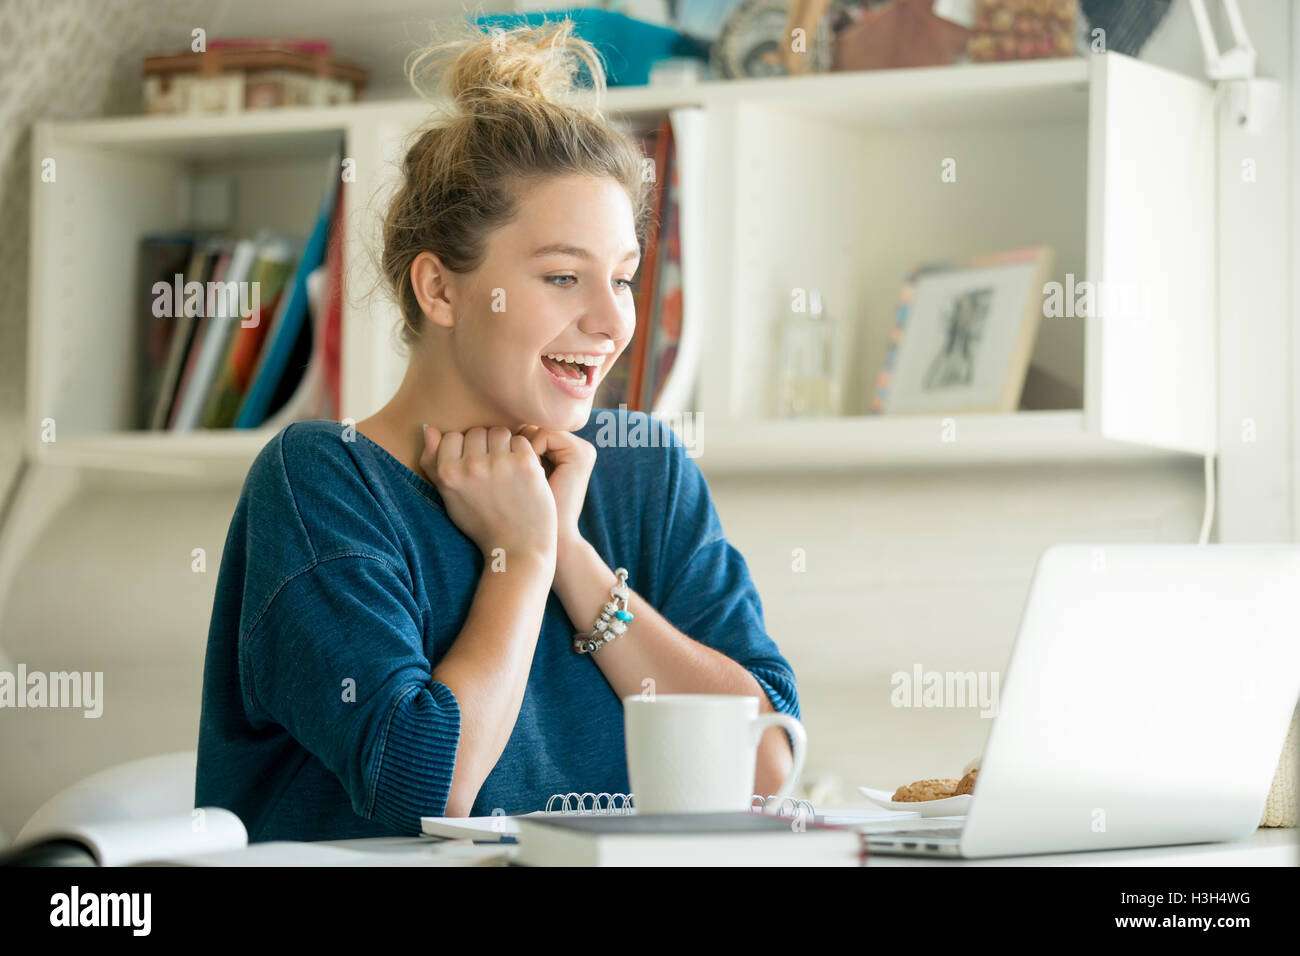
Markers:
{"x": 1266, "y": 847}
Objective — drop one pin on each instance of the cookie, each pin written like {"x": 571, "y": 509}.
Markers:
{"x": 925, "y": 790}
{"x": 967, "y": 784}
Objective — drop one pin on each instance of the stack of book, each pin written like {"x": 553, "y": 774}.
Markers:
{"x": 240, "y": 332}
{"x": 638, "y": 377}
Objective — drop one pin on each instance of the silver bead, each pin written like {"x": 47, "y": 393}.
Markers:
{"x": 610, "y": 608}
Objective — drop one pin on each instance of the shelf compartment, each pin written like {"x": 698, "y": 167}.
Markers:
{"x": 857, "y": 442}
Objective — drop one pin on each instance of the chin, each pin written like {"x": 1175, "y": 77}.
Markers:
{"x": 563, "y": 420}
{"x": 576, "y": 419}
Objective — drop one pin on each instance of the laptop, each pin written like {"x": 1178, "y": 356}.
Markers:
{"x": 1146, "y": 702}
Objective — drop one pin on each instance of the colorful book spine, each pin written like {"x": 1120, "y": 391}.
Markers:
{"x": 666, "y": 328}
{"x": 283, "y": 339}
{"x": 212, "y": 350}
{"x": 650, "y": 271}
{"x": 219, "y": 275}
{"x": 274, "y": 264}
{"x": 161, "y": 256}
{"x": 331, "y": 340}
{"x": 185, "y": 317}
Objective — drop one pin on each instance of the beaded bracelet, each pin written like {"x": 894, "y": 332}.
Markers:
{"x": 612, "y": 622}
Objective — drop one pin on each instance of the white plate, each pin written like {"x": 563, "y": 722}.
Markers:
{"x": 947, "y": 807}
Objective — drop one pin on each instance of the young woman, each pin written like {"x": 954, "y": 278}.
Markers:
{"x": 394, "y": 623}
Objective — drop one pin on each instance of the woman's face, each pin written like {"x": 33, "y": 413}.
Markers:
{"x": 557, "y": 279}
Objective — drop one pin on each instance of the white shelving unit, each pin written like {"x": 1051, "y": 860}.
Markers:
{"x": 830, "y": 182}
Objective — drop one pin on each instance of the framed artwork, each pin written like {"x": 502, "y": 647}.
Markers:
{"x": 963, "y": 334}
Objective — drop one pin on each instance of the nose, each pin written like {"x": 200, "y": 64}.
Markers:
{"x": 612, "y": 313}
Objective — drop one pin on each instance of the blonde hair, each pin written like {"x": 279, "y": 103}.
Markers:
{"x": 508, "y": 128}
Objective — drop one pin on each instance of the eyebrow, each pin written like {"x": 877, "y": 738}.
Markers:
{"x": 564, "y": 249}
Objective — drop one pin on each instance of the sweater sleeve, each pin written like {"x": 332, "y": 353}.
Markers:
{"x": 710, "y": 596}
{"x": 337, "y": 659}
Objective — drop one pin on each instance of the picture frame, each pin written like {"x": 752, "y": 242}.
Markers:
{"x": 963, "y": 334}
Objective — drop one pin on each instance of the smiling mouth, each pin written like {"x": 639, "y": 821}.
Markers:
{"x": 571, "y": 371}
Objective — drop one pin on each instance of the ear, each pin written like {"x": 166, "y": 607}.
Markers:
{"x": 429, "y": 282}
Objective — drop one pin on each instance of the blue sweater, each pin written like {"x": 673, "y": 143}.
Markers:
{"x": 343, "y": 582}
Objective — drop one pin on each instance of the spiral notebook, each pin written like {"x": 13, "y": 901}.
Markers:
{"x": 501, "y": 827}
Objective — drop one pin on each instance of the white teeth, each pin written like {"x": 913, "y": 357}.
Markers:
{"x": 575, "y": 359}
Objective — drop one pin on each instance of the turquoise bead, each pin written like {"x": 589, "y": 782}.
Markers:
{"x": 623, "y": 615}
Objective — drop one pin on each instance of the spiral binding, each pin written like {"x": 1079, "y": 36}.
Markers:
{"x": 580, "y": 803}
{"x": 626, "y": 803}
{"x": 798, "y": 808}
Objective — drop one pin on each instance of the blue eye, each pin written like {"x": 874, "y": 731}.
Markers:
{"x": 627, "y": 283}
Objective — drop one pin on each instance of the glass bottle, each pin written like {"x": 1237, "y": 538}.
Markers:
{"x": 809, "y": 378}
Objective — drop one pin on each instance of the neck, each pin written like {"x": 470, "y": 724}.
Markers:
{"x": 432, "y": 393}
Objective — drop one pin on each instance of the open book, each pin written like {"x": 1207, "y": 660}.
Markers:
{"x": 129, "y": 842}
{"x": 212, "y": 836}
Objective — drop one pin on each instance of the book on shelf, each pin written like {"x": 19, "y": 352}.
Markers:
{"x": 175, "y": 305}
{"x": 161, "y": 257}
{"x": 639, "y": 378}
{"x": 315, "y": 393}
{"x": 203, "y": 363}
{"x": 209, "y": 346}
{"x": 282, "y": 343}
{"x": 622, "y": 384}
{"x": 271, "y": 270}
{"x": 219, "y": 274}
{"x": 665, "y": 329}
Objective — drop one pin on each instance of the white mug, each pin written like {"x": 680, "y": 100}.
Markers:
{"x": 689, "y": 753}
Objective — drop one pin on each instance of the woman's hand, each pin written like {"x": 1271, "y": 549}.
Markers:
{"x": 494, "y": 487}
{"x": 568, "y": 460}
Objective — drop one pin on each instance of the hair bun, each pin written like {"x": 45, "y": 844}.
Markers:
{"x": 524, "y": 63}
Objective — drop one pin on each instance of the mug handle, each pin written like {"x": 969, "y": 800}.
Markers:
{"x": 797, "y": 736}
